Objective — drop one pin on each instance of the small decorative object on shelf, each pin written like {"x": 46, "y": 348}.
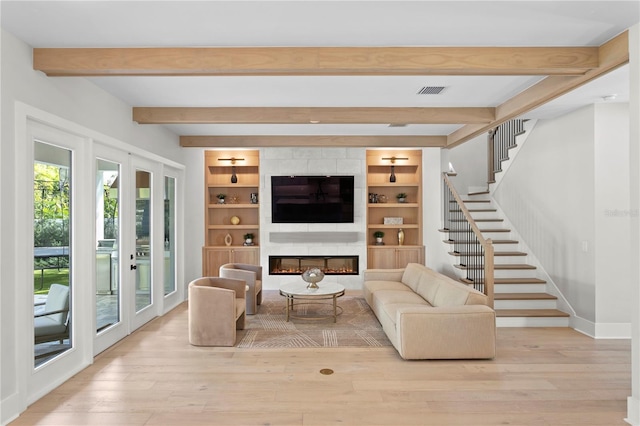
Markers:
{"x": 400, "y": 237}
{"x": 235, "y": 220}
{"x": 221, "y": 198}
{"x": 228, "y": 240}
{"x": 402, "y": 197}
{"x": 254, "y": 198}
{"x": 234, "y": 199}
{"x": 234, "y": 177}
{"x": 382, "y": 198}
{"x": 313, "y": 276}
{"x": 248, "y": 239}
{"x": 392, "y": 220}
{"x": 378, "y": 236}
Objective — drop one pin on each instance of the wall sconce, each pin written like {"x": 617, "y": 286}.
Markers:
{"x": 392, "y": 177}
{"x": 234, "y": 177}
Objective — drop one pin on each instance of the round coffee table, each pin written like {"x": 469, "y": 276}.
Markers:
{"x": 298, "y": 292}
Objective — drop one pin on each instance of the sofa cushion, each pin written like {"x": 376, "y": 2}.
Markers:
{"x": 411, "y": 275}
{"x": 371, "y": 287}
{"x": 383, "y": 300}
{"x": 428, "y": 285}
{"x": 454, "y": 293}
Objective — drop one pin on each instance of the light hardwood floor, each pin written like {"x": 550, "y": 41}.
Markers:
{"x": 542, "y": 376}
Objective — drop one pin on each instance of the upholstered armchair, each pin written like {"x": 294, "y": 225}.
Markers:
{"x": 252, "y": 274}
{"x": 216, "y": 310}
{"x": 52, "y": 323}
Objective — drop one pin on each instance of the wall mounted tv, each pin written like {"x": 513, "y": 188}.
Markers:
{"x": 312, "y": 199}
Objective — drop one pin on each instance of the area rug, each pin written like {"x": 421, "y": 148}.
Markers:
{"x": 356, "y": 326}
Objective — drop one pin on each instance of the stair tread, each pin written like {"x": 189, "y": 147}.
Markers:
{"x": 475, "y": 210}
{"x": 518, "y": 281}
{"x": 481, "y": 230}
{"x": 469, "y": 241}
{"x": 479, "y": 220}
{"x": 478, "y": 192}
{"x": 495, "y": 253}
{"x": 524, "y": 296}
{"x": 502, "y": 266}
{"x": 530, "y": 313}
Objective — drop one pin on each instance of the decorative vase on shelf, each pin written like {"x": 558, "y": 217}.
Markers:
{"x": 313, "y": 276}
{"x": 400, "y": 237}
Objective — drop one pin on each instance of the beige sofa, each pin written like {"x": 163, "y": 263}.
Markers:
{"x": 427, "y": 315}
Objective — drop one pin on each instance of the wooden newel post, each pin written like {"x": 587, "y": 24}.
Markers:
{"x": 488, "y": 271}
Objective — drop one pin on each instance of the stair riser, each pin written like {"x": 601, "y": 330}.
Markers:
{"x": 484, "y": 215}
{"x": 532, "y": 322}
{"x": 514, "y": 273}
{"x": 525, "y": 304}
{"x": 497, "y": 235}
{"x": 519, "y": 288}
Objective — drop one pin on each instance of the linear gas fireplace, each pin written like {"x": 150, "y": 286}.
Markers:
{"x": 330, "y": 265}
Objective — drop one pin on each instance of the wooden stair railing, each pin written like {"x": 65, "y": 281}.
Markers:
{"x": 475, "y": 252}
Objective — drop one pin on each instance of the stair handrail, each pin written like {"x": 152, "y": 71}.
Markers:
{"x": 487, "y": 286}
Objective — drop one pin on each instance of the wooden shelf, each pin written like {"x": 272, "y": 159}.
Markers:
{"x": 408, "y": 176}
{"x": 392, "y": 205}
{"x": 218, "y": 171}
{"x": 233, "y": 206}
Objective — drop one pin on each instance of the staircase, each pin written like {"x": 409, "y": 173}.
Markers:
{"x": 520, "y": 297}
{"x": 520, "y": 294}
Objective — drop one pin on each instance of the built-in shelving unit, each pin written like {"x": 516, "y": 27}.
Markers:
{"x": 237, "y": 175}
{"x": 389, "y": 173}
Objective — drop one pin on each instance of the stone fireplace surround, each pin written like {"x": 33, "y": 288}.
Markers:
{"x": 313, "y": 239}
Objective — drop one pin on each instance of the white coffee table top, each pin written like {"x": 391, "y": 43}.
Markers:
{"x": 299, "y": 288}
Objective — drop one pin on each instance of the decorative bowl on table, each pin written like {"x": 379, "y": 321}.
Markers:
{"x": 313, "y": 276}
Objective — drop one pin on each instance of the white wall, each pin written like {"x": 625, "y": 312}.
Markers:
{"x": 612, "y": 219}
{"x": 72, "y": 100}
{"x": 470, "y": 163}
{"x": 569, "y": 218}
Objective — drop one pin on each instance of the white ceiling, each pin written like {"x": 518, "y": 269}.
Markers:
{"x": 327, "y": 23}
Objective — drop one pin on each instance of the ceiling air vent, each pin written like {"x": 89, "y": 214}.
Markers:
{"x": 431, "y": 90}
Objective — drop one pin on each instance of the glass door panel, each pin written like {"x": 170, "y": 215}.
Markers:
{"x": 143, "y": 255}
{"x": 169, "y": 235}
{"x": 52, "y": 286}
{"x": 108, "y": 307}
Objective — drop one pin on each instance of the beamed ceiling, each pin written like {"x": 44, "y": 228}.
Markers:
{"x": 285, "y": 86}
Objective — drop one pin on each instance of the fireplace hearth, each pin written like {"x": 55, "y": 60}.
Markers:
{"x": 330, "y": 265}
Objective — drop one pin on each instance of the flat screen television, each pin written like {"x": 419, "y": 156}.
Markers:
{"x": 312, "y": 199}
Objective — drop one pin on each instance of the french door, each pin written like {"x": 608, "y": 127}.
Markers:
{"x": 126, "y": 188}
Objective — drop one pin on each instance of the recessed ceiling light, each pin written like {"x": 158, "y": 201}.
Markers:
{"x": 314, "y": 121}
{"x": 609, "y": 97}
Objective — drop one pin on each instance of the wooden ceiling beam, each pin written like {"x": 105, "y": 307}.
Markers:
{"x": 277, "y": 61}
{"x": 315, "y": 141}
{"x": 612, "y": 54}
{"x": 306, "y": 115}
